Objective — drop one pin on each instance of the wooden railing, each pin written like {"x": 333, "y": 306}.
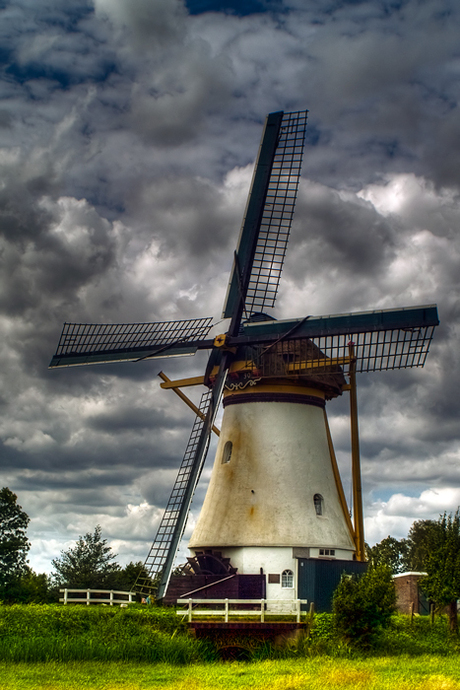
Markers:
{"x": 102, "y": 596}
{"x": 230, "y": 607}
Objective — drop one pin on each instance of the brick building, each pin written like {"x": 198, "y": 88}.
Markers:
{"x": 408, "y": 592}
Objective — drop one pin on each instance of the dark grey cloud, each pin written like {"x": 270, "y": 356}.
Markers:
{"x": 128, "y": 129}
{"x": 342, "y": 230}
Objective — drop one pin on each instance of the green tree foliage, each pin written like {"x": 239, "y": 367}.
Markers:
{"x": 126, "y": 578}
{"x": 418, "y": 541}
{"x": 130, "y": 573}
{"x": 14, "y": 544}
{"x": 405, "y": 554}
{"x": 363, "y": 605}
{"x": 90, "y": 564}
{"x": 390, "y": 552}
{"x": 442, "y": 562}
{"x": 29, "y": 588}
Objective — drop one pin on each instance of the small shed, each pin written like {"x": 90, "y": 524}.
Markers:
{"x": 408, "y": 592}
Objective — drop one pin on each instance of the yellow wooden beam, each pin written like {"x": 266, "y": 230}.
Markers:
{"x": 183, "y": 397}
{"x": 180, "y": 383}
{"x": 318, "y": 363}
{"x": 355, "y": 462}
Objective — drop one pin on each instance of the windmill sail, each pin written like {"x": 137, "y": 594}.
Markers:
{"x": 277, "y": 214}
{"x": 160, "y": 560}
{"x": 95, "y": 343}
{"x": 383, "y": 340}
{"x": 266, "y": 226}
{"x": 172, "y": 523}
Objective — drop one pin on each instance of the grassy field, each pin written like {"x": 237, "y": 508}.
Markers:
{"x": 102, "y": 648}
{"x": 34, "y": 633}
{"x": 321, "y": 673}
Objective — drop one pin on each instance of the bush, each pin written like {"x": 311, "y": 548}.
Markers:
{"x": 363, "y": 606}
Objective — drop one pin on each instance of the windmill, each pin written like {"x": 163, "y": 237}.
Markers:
{"x": 275, "y": 502}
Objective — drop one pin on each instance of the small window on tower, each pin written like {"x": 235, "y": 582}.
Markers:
{"x": 327, "y": 552}
{"x": 287, "y": 578}
{"x": 227, "y": 453}
{"x": 318, "y": 501}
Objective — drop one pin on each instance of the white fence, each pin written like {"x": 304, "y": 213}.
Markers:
{"x": 96, "y": 596}
{"x": 229, "y": 607}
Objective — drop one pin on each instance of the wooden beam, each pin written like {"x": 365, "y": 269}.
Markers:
{"x": 318, "y": 363}
{"x": 180, "y": 383}
{"x": 355, "y": 461}
{"x": 174, "y": 386}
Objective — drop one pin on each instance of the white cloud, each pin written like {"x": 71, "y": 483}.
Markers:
{"x": 395, "y": 516}
{"x": 127, "y": 137}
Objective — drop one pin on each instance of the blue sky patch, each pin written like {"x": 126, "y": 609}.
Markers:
{"x": 240, "y": 8}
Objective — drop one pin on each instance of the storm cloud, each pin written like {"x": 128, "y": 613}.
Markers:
{"x": 128, "y": 132}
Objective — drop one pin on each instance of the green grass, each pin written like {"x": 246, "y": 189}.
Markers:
{"x": 102, "y": 648}
{"x": 402, "y": 636}
{"x": 34, "y": 633}
{"x": 321, "y": 673}
{"x": 418, "y": 637}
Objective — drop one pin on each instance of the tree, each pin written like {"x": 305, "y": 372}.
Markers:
{"x": 442, "y": 564}
{"x": 418, "y": 541}
{"x": 29, "y": 588}
{"x": 130, "y": 573}
{"x": 125, "y": 578}
{"x": 390, "y": 552}
{"x": 405, "y": 554}
{"x": 362, "y": 605}
{"x": 14, "y": 544}
{"x": 88, "y": 565}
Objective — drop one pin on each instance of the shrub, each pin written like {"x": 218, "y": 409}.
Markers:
{"x": 363, "y": 605}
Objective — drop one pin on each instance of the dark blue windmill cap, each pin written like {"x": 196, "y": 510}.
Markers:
{"x": 256, "y": 317}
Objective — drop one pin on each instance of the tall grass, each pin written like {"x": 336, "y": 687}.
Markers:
{"x": 64, "y": 633}
{"x": 418, "y": 637}
{"x": 37, "y": 633}
{"x": 403, "y": 636}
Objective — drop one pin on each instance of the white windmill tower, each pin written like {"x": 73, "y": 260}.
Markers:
{"x": 275, "y": 522}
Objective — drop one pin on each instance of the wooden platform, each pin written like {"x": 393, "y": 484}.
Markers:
{"x": 224, "y": 634}
{"x": 246, "y": 625}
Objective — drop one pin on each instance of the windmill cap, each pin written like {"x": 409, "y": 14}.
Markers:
{"x": 256, "y": 317}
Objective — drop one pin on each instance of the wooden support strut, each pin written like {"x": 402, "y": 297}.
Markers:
{"x": 355, "y": 460}
{"x": 174, "y": 385}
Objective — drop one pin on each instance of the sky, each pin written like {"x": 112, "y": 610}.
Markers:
{"x": 128, "y": 133}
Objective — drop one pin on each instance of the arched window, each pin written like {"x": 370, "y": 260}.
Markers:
{"x": 227, "y": 452}
{"x": 318, "y": 501}
{"x": 287, "y": 578}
